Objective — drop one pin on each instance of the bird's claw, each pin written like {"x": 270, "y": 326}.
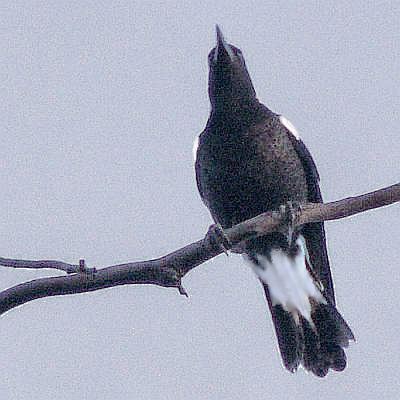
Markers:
{"x": 290, "y": 212}
{"x": 218, "y": 239}
{"x": 85, "y": 271}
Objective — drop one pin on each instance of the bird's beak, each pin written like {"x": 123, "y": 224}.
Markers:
{"x": 222, "y": 47}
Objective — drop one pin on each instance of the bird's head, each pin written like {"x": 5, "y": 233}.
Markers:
{"x": 229, "y": 84}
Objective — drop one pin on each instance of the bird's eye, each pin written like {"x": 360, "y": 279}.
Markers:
{"x": 240, "y": 55}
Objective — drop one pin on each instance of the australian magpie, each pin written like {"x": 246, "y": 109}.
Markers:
{"x": 250, "y": 160}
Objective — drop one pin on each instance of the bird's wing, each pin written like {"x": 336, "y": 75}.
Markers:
{"x": 199, "y": 164}
{"x": 198, "y": 170}
{"x": 313, "y": 233}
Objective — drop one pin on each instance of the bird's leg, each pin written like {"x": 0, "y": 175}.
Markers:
{"x": 218, "y": 239}
{"x": 290, "y": 213}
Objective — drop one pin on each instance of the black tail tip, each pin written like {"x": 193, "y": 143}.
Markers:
{"x": 339, "y": 364}
{"x": 320, "y": 372}
{"x": 330, "y": 357}
{"x": 317, "y": 344}
{"x": 324, "y": 342}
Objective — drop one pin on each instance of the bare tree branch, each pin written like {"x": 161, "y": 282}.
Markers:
{"x": 168, "y": 270}
{"x": 40, "y": 264}
{"x": 316, "y": 212}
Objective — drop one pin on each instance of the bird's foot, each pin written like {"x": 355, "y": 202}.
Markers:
{"x": 218, "y": 239}
{"x": 290, "y": 213}
{"x": 85, "y": 271}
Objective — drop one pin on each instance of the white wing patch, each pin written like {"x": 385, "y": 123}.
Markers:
{"x": 289, "y": 281}
{"x": 195, "y": 147}
{"x": 289, "y": 126}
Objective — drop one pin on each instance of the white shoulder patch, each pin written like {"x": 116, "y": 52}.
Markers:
{"x": 289, "y": 126}
{"x": 195, "y": 146}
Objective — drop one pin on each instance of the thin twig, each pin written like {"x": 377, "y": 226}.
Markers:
{"x": 40, "y": 264}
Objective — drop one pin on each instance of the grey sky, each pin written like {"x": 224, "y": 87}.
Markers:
{"x": 99, "y": 108}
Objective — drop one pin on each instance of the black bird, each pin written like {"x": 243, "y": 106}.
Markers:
{"x": 250, "y": 160}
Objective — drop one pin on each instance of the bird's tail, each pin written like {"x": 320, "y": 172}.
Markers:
{"x": 318, "y": 344}
{"x": 310, "y": 330}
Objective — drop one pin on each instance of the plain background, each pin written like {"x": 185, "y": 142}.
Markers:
{"x": 99, "y": 107}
